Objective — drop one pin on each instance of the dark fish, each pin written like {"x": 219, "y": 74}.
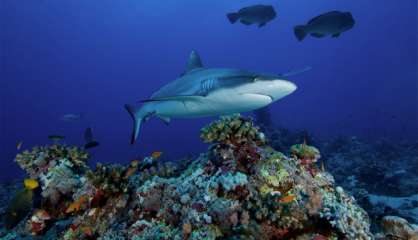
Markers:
{"x": 21, "y": 204}
{"x": 331, "y": 23}
{"x": 56, "y": 137}
{"x": 257, "y": 14}
{"x": 90, "y": 142}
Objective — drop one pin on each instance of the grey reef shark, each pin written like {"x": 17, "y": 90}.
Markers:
{"x": 203, "y": 92}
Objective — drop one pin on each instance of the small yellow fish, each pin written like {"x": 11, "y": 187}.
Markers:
{"x": 287, "y": 199}
{"x": 19, "y": 145}
{"x": 156, "y": 155}
{"x": 31, "y": 183}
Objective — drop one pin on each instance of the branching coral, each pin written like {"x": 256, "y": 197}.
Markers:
{"x": 232, "y": 130}
{"x": 58, "y": 168}
{"x": 40, "y": 159}
{"x": 59, "y": 181}
{"x": 307, "y": 156}
{"x": 237, "y": 142}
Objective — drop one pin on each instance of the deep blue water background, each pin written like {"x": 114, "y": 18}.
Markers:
{"x": 91, "y": 57}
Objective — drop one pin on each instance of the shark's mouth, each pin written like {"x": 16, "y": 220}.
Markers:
{"x": 265, "y": 95}
{"x": 260, "y": 94}
{"x": 271, "y": 98}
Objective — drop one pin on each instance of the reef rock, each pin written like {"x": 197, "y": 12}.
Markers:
{"x": 399, "y": 228}
{"x": 240, "y": 189}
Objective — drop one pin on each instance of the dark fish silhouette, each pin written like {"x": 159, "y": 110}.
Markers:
{"x": 21, "y": 204}
{"x": 56, "y": 137}
{"x": 331, "y": 23}
{"x": 257, "y": 14}
{"x": 90, "y": 142}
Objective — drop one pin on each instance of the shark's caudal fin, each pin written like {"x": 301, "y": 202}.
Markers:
{"x": 133, "y": 111}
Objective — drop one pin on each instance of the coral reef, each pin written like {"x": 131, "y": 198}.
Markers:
{"x": 398, "y": 228}
{"x": 240, "y": 189}
{"x": 58, "y": 168}
{"x": 280, "y": 138}
{"x": 381, "y": 175}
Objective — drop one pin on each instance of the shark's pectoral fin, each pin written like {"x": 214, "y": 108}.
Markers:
{"x": 295, "y": 72}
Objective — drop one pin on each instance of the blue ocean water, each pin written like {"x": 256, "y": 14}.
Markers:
{"x": 92, "y": 57}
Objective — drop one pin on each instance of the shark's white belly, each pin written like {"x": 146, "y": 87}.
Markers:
{"x": 218, "y": 103}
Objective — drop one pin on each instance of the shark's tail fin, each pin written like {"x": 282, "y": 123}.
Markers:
{"x": 133, "y": 111}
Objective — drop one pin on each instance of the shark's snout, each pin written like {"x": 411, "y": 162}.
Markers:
{"x": 289, "y": 86}
{"x": 281, "y": 88}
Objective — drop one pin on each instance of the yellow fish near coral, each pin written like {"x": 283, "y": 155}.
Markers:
{"x": 31, "y": 184}
{"x": 156, "y": 155}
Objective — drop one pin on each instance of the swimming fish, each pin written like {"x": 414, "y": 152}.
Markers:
{"x": 90, "y": 142}
{"x": 287, "y": 199}
{"x": 19, "y": 145}
{"x": 21, "y": 204}
{"x": 257, "y": 14}
{"x": 56, "y": 137}
{"x": 71, "y": 117}
{"x": 76, "y": 205}
{"x": 203, "y": 92}
{"x": 156, "y": 155}
{"x": 31, "y": 184}
{"x": 332, "y": 23}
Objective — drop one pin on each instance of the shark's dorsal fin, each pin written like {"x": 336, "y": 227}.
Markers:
{"x": 194, "y": 61}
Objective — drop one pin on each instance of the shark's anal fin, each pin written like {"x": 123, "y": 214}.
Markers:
{"x": 194, "y": 61}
